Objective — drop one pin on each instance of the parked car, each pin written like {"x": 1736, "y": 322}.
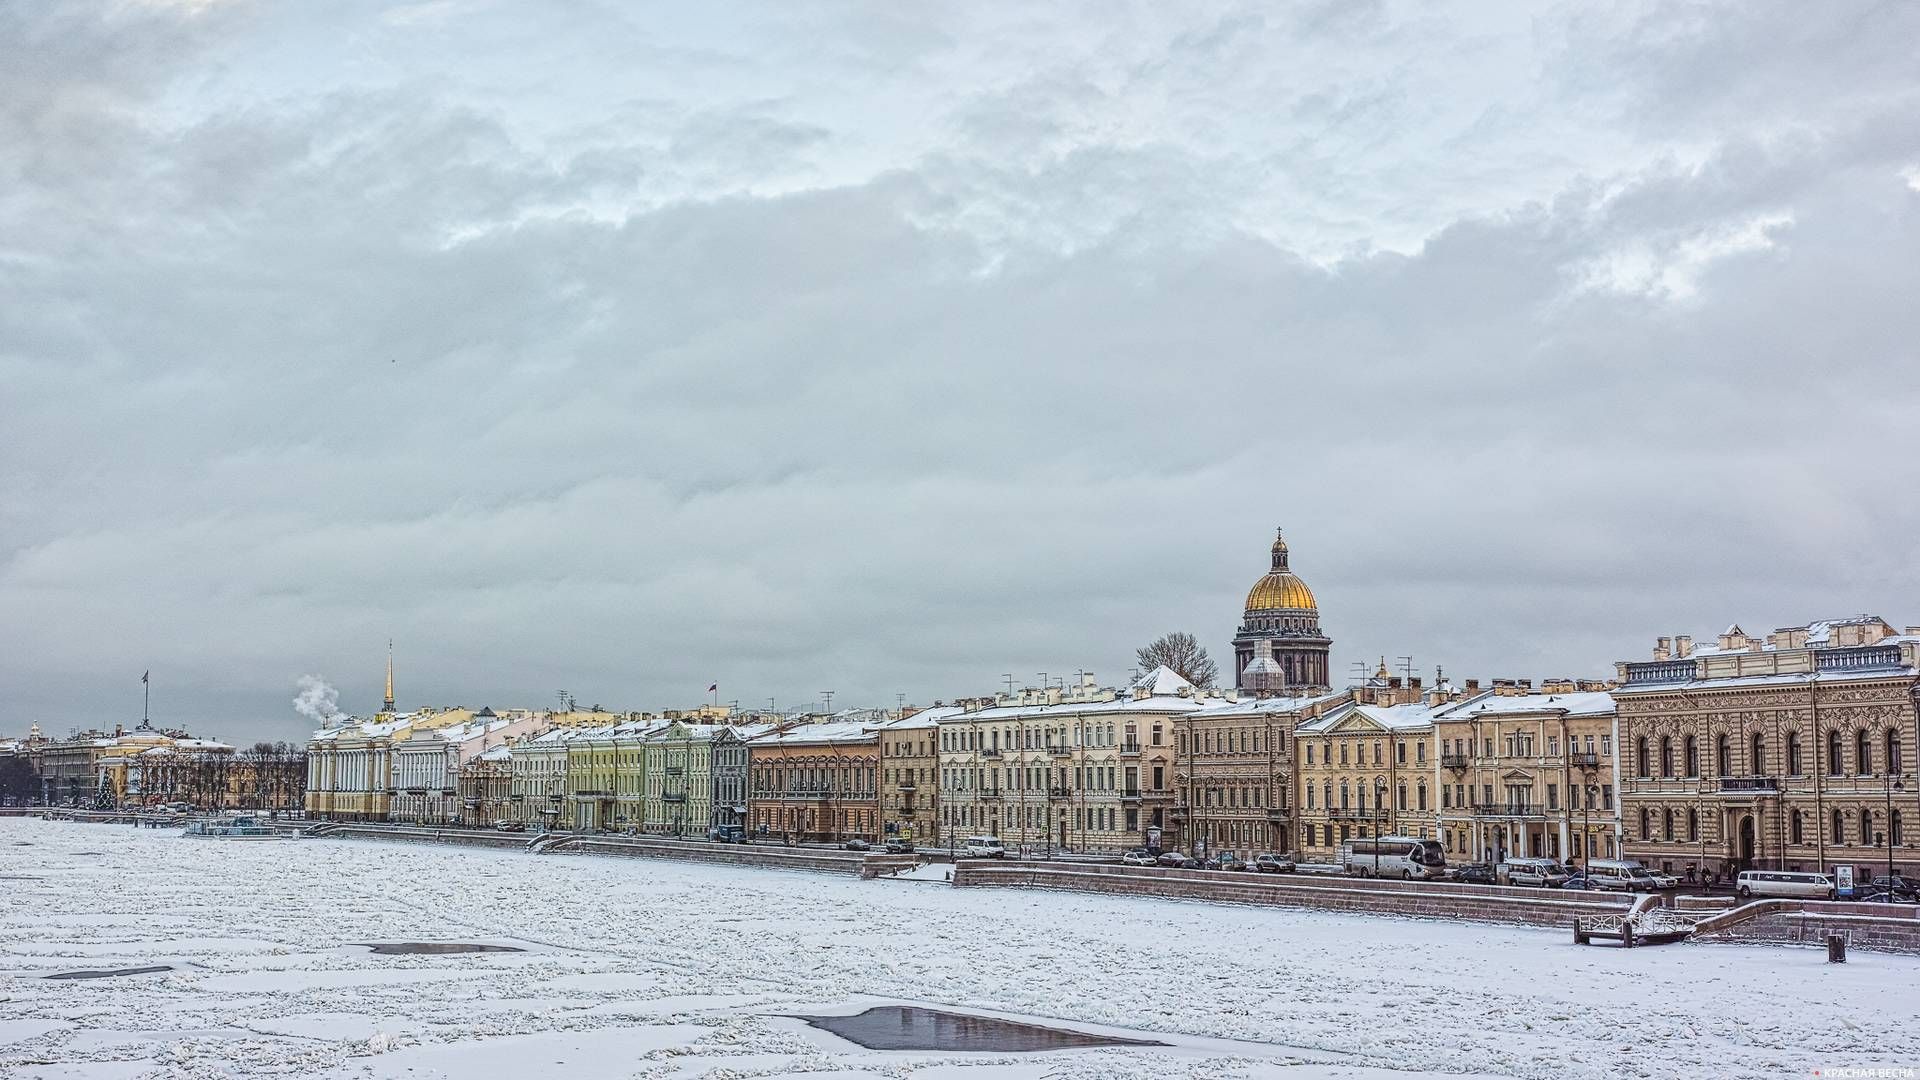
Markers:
{"x": 1664, "y": 880}
{"x": 1174, "y": 859}
{"x": 1577, "y": 881}
{"x": 1890, "y": 890}
{"x": 1624, "y": 875}
{"x": 1137, "y": 857}
{"x": 856, "y": 844}
{"x": 1270, "y": 863}
{"x": 1225, "y": 860}
{"x": 983, "y": 847}
{"x": 728, "y": 834}
{"x": 1473, "y": 873}
{"x": 1531, "y": 871}
{"x": 1752, "y": 883}
{"x": 898, "y": 847}
{"x": 505, "y": 825}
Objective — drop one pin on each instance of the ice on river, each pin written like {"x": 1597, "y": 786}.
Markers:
{"x": 656, "y": 968}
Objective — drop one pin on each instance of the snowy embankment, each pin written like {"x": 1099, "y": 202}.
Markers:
{"x": 664, "y": 968}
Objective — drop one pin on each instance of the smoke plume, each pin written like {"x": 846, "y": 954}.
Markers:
{"x": 318, "y": 701}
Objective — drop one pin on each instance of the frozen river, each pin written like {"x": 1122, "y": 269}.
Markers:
{"x": 653, "y": 968}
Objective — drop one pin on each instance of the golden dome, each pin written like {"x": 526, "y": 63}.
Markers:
{"x": 1280, "y": 588}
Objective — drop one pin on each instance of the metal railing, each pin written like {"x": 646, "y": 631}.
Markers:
{"x": 1454, "y": 761}
{"x": 1734, "y": 784}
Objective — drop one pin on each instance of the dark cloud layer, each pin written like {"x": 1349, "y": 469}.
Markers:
{"x": 942, "y": 349}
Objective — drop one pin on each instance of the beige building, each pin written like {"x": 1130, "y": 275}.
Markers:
{"x": 910, "y": 776}
{"x": 1790, "y": 751}
{"x": 1233, "y": 774}
{"x": 1083, "y": 768}
{"x": 1366, "y": 767}
{"x": 1528, "y": 774}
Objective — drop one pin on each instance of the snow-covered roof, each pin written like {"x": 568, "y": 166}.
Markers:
{"x": 833, "y": 731}
{"x": 1412, "y": 717}
{"x": 1163, "y": 681}
{"x": 1582, "y": 703}
{"x": 1266, "y": 705}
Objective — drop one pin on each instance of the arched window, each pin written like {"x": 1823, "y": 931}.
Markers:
{"x": 1646, "y": 822}
{"x": 1693, "y": 823}
{"x": 1839, "y": 828}
{"x": 1344, "y": 795}
{"x": 1862, "y": 753}
{"x": 1793, "y": 753}
{"x": 1310, "y": 797}
{"x": 1666, "y": 823}
{"x": 1692, "y": 759}
{"x": 1833, "y": 753}
{"x": 1723, "y": 756}
{"x": 1893, "y": 752}
{"x": 1894, "y": 836}
{"x": 1757, "y": 756}
{"x": 1866, "y": 826}
{"x": 1642, "y": 763}
{"x": 1666, "y": 756}
{"x": 1799, "y": 828}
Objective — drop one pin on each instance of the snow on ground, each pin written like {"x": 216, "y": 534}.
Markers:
{"x": 657, "y": 968}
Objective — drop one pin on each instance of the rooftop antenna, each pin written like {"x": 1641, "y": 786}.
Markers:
{"x": 1009, "y": 677}
{"x": 1360, "y": 673}
{"x": 1044, "y": 682}
{"x": 1406, "y": 668}
{"x": 828, "y": 694}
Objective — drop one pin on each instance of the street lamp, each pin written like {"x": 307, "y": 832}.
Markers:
{"x": 1379, "y": 799}
{"x": 1586, "y": 827}
{"x": 1892, "y": 786}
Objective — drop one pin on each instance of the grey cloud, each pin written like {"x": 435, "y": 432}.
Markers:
{"x": 598, "y": 406}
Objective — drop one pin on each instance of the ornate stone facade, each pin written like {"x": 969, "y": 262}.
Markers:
{"x": 1794, "y": 751}
{"x": 1280, "y": 647}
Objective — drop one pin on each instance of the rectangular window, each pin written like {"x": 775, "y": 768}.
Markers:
{"x": 1553, "y": 796}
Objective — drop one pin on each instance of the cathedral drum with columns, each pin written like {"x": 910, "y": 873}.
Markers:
{"x": 1280, "y": 646}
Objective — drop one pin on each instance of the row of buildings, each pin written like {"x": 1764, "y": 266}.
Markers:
{"x": 148, "y": 765}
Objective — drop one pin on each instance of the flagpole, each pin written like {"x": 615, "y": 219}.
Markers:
{"x": 146, "y": 697}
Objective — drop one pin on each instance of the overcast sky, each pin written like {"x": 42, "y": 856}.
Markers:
{"x": 890, "y": 348}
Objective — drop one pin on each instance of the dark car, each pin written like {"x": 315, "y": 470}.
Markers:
{"x": 1577, "y": 881}
{"x": 728, "y": 834}
{"x": 1225, "y": 860}
{"x": 1472, "y": 874}
{"x": 1891, "y": 890}
{"x": 898, "y": 847}
{"x": 1174, "y": 859}
{"x": 510, "y": 826}
{"x": 856, "y": 844}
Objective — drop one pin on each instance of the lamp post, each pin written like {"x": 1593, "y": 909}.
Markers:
{"x": 1892, "y": 786}
{"x": 1379, "y": 796}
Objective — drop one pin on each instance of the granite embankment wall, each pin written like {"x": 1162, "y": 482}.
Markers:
{"x": 1886, "y": 927}
{"x": 822, "y": 859}
{"x": 1431, "y": 899}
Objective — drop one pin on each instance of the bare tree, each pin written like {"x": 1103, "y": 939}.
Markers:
{"x": 1184, "y": 654}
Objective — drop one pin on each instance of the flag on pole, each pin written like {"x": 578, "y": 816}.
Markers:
{"x": 712, "y": 688}
{"x": 144, "y": 674}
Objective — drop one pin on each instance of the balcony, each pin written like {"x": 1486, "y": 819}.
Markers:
{"x": 1454, "y": 761}
{"x": 676, "y": 770}
{"x": 1278, "y": 817}
{"x": 1059, "y": 793}
{"x": 1129, "y": 749}
{"x": 675, "y": 797}
{"x": 1509, "y": 809}
{"x": 1749, "y": 785}
{"x": 1060, "y": 750}
{"x": 1131, "y": 794}
{"x": 1583, "y": 760}
{"x": 991, "y": 751}
{"x": 908, "y": 785}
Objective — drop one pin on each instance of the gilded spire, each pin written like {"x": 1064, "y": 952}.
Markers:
{"x": 387, "y": 706}
{"x": 1279, "y": 550}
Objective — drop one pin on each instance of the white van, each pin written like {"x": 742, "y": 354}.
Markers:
{"x": 1752, "y": 883}
{"x": 1544, "y": 872}
{"x": 1625, "y": 875}
{"x": 982, "y": 847}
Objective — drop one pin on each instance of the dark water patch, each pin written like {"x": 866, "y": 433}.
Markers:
{"x": 112, "y": 974}
{"x": 430, "y": 948}
{"x": 909, "y": 1027}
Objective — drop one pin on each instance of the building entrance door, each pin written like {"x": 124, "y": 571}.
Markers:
{"x": 1748, "y": 842}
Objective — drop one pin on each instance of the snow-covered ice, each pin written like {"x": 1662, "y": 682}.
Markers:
{"x": 656, "y": 968}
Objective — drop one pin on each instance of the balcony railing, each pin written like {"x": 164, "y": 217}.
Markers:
{"x": 1060, "y": 750}
{"x": 908, "y": 785}
{"x": 1581, "y": 759}
{"x": 1130, "y": 747}
{"x": 1130, "y": 793}
{"x": 1453, "y": 761}
{"x": 1873, "y": 656}
{"x": 1661, "y": 671}
{"x": 675, "y": 797}
{"x": 1059, "y": 793}
{"x": 676, "y": 770}
{"x": 1278, "y": 817}
{"x": 991, "y": 751}
{"x": 1507, "y": 809}
{"x": 1747, "y": 785}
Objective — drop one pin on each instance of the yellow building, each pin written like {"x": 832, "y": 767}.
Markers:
{"x": 1233, "y": 774}
{"x": 1529, "y": 774}
{"x": 910, "y": 775}
{"x": 1366, "y": 769}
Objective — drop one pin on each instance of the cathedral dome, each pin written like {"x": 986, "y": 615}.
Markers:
{"x": 1280, "y": 588}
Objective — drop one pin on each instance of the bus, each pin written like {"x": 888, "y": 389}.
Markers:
{"x": 1404, "y": 857}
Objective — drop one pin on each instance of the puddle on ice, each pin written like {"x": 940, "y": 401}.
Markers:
{"x": 431, "y": 948}
{"x": 908, "y": 1027}
{"x": 111, "y": 974}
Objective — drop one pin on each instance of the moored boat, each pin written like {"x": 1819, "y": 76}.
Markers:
{"x": 239, "y": 827}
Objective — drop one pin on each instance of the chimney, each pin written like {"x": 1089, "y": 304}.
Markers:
{"x": 1663, "y": 648}
{"x": 1413, "y": 683}
{"x": 1683, "y": 646}
{"x": 1473, "y": 686}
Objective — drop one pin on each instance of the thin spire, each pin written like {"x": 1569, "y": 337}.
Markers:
{"x": 387, "y": 706}
{"x": 1279, "y": 550}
